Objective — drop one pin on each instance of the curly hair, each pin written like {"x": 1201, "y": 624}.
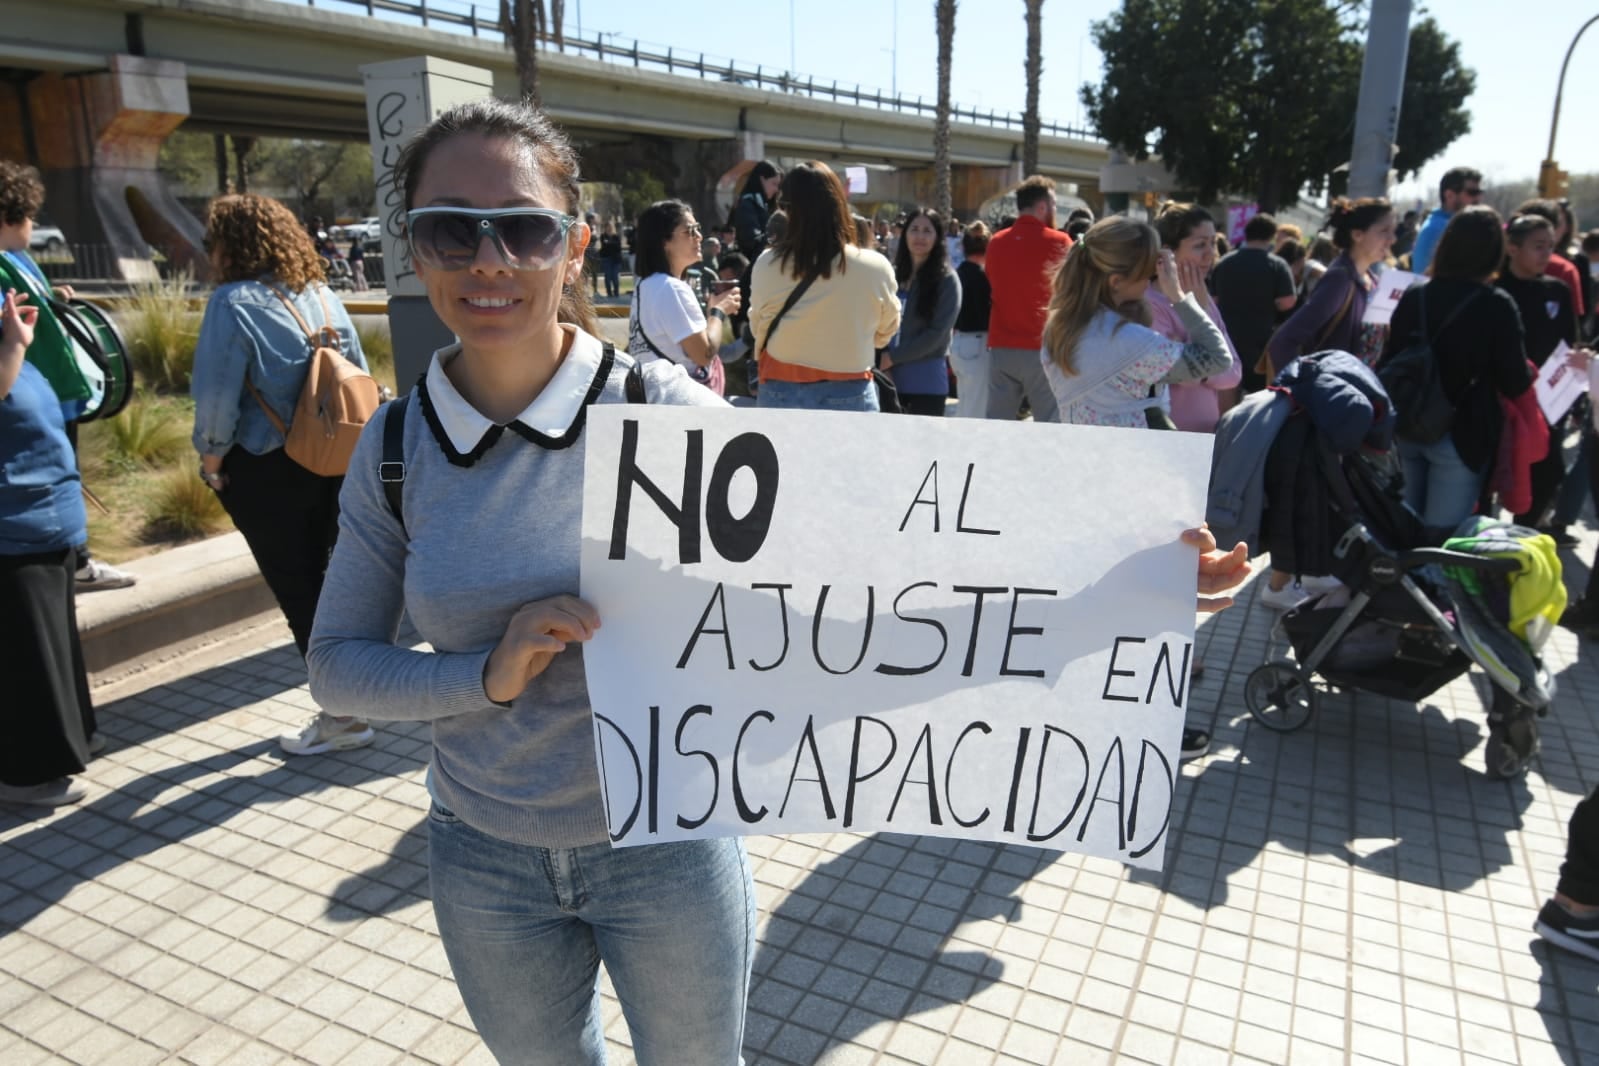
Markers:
{"x": 252, "y": 236}
{"x": 21, "y": 193}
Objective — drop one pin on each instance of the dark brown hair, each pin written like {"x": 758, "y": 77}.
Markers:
{"x": 1351, "y": 215}
{"x": 21, "y": 193}
{"x": 1035, "y": 189}
{"x": 1261, "y": 227}
{"x": 975, "y": 239}
{"x": 251, "y": 236}
{"x": 1472, "y": 246}
{"x": 820, "y": 223}
{"x": 552, "y": 155}
{"x": 1176, "y": 221}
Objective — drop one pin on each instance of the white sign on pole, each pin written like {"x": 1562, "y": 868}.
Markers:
{"x": 817, "y": 621}
{"x": 1380, "y": 304}
{"x": 1559, "y": 384}
{"x": 856, "y": 179}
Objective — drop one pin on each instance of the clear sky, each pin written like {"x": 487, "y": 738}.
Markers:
{"x": 1516, "y": 57}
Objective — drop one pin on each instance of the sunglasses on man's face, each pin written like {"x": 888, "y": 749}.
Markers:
{"x": 527, "y": 238}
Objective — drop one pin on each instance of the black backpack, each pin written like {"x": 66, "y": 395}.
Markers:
{"x": 1423, "y": 411}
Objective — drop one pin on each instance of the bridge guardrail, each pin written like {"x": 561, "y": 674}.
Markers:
{"x": 469, "y": 17}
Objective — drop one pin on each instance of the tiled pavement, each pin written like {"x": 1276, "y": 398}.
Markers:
{"x": 1356, "y": 892}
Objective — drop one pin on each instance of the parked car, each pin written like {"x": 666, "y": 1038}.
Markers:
{"x": 47, "y": 238}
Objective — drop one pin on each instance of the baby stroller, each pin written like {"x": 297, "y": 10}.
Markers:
{"x": 1413, "y": 614}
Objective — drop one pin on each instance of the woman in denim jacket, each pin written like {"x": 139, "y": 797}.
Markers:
{"x": 249, "y": 339}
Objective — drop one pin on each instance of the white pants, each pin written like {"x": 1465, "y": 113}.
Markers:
{"x": 968, "y": 357}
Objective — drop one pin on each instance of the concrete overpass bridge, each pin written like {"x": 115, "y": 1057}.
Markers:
{"x": 99, "y": 83}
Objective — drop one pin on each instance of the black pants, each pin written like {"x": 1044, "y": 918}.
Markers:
{"x": 915, "y": 404}
{"x": 49, "y": 717}
{"x": 290, "y": 518}
{"x": 1579, "y": 874}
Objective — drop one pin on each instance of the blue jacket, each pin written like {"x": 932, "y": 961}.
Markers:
{"x": 248, "y": 331}
{"x": 41, "y": 497}
{"x": 1427, "y": 239}
{"x": 1343, "y": 398}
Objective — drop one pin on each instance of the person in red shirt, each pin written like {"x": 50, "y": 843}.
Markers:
{"x": 1021, "y": 267}
{"x": 1560, "y": 268}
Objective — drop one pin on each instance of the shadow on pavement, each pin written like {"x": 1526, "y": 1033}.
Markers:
{"x": 143, "y": 811}
{"x": 880, "y": 931}
{"x": 1568, "y": 992}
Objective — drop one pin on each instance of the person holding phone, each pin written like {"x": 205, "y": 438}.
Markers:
{"x": 668, "y": 320}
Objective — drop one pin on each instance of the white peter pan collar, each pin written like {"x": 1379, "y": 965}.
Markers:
{"x": 549, "y": 420}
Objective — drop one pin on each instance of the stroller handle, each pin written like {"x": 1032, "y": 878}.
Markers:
{"x": 1419, "y": 557}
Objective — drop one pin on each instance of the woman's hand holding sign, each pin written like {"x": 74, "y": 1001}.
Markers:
{"x": 538, "y": 632}
{"x": 1218, "y": 570}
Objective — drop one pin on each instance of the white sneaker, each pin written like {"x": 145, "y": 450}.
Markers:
{"x": 325, "y": 733}
{"x": 1286, "y": 598}
{"x": 62, "y": 792}
{"x": 95, "y": 575}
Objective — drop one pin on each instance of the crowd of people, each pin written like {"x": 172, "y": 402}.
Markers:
{"x": 1108, "y": 322}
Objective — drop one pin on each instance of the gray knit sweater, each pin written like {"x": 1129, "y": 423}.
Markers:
{"x": 479, "y": 541}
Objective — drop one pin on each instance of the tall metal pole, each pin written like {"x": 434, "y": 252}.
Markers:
{"x": 792, "y": 66}
{"x": 1382, "y": 87}
{"x": 894, "y": 55}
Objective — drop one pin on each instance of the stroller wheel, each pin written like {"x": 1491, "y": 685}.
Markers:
{"x": 1280, "y": 697}
{"x": 1512, "y": 742}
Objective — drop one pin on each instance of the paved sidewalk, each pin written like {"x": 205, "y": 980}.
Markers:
{"x": 1357, "y": 892}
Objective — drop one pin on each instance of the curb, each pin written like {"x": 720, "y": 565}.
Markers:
{"x": 185, "y": 598}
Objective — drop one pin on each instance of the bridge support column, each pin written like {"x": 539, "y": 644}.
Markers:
{"x": 97, "y": 136}
{"x": 706, "y": 178}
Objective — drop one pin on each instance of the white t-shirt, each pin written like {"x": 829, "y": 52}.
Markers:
{"x": 666, "y": 311}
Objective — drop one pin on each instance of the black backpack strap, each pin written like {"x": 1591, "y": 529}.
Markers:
{"x": 633, "y": 384}
{"x": 391, "y": 471}
{"x": 793, "y": 298}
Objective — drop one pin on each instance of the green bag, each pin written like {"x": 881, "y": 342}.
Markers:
{"x": 52, "y": 350}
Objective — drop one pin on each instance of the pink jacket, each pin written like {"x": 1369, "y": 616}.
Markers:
{"x": 1194, "y": 404}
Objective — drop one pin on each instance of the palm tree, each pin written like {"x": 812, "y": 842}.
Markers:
{"x": 944, "y": 11}
{"x": 524, "y": 23}
{"x": 1035, "y": 71}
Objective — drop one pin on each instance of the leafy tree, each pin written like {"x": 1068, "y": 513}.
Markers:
{"x": 1258, "y": 96}
{"x": 944, "y": 13}
{"x": 1031, "y": 124}
{"x": 640, "y": 189}
{"x": 1433, "y": 115}
{"x": 188, "y": 159}
{"x": 313, "y": 171}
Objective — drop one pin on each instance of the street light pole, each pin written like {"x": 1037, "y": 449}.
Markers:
{"x": 893, "y": 61}
{"x": 1550, "y": 178}
{"x": 1382, "y": 87}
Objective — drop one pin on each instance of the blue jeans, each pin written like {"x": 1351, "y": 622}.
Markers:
{"x": 819, "y": 395}
{"x": 613, "y": 276}
{"x": 1439, "y": 487}
{"x": 526, "y": 929}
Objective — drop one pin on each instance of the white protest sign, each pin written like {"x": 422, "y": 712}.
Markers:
{"x": 1559, "y": 384}
{"x": 819, "y": 621}
{"x": 1380, "y": 304}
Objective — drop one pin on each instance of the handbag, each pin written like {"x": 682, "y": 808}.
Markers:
{"x": 1263, "y": 365}
{"x": 336, "y": 401}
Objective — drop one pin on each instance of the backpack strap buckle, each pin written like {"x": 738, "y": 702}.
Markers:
{"x": 391, "y": 472}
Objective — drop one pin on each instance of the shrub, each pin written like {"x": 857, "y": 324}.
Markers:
{"x": 161, "y": 331}
{"x": 377, "y": 344}
{"x": 147, "y": 431}
{"x": 182, "y": 505}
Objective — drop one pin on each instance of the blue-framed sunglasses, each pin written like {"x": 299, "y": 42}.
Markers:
{"x": 527, "y": 238}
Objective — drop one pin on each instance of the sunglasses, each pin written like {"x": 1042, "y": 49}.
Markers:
{"x": 527, "y": 238}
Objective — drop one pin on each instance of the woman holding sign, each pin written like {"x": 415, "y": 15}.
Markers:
{"x": 480, "y": 544}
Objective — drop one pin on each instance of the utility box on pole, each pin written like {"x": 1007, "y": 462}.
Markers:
{"x": 1382, "y": 87}
{"x": 402, "y": 97}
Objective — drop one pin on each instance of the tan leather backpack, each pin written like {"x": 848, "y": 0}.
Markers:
{"x": 336, "y": 401}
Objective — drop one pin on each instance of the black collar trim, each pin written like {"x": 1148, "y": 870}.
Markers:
{"x": 492, "y": 436}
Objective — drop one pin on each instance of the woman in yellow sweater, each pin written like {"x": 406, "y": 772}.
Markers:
{"x": 820, "y": 307}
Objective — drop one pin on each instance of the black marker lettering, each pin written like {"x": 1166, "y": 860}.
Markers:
{"x": 949, "y": 769}
{"x": 932, "y": 475}
{"x": 1115, "y": 673}
{"x": 855, "y": 776}
{"x": 1013, "y": 631}
{"x": 808, "y": 739}
{"x": 685, "y": 516}
{"x": 719, "y": 601}
{"x": 960, "y": 516}
{"x": 924, "y": 743}
{"x": 716, "y": 774}
{"x": 750, "y": 817}
{"x": 866, "y": 637}
{"x": 943, "y": 636}
{"x": 782, "y": 611}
